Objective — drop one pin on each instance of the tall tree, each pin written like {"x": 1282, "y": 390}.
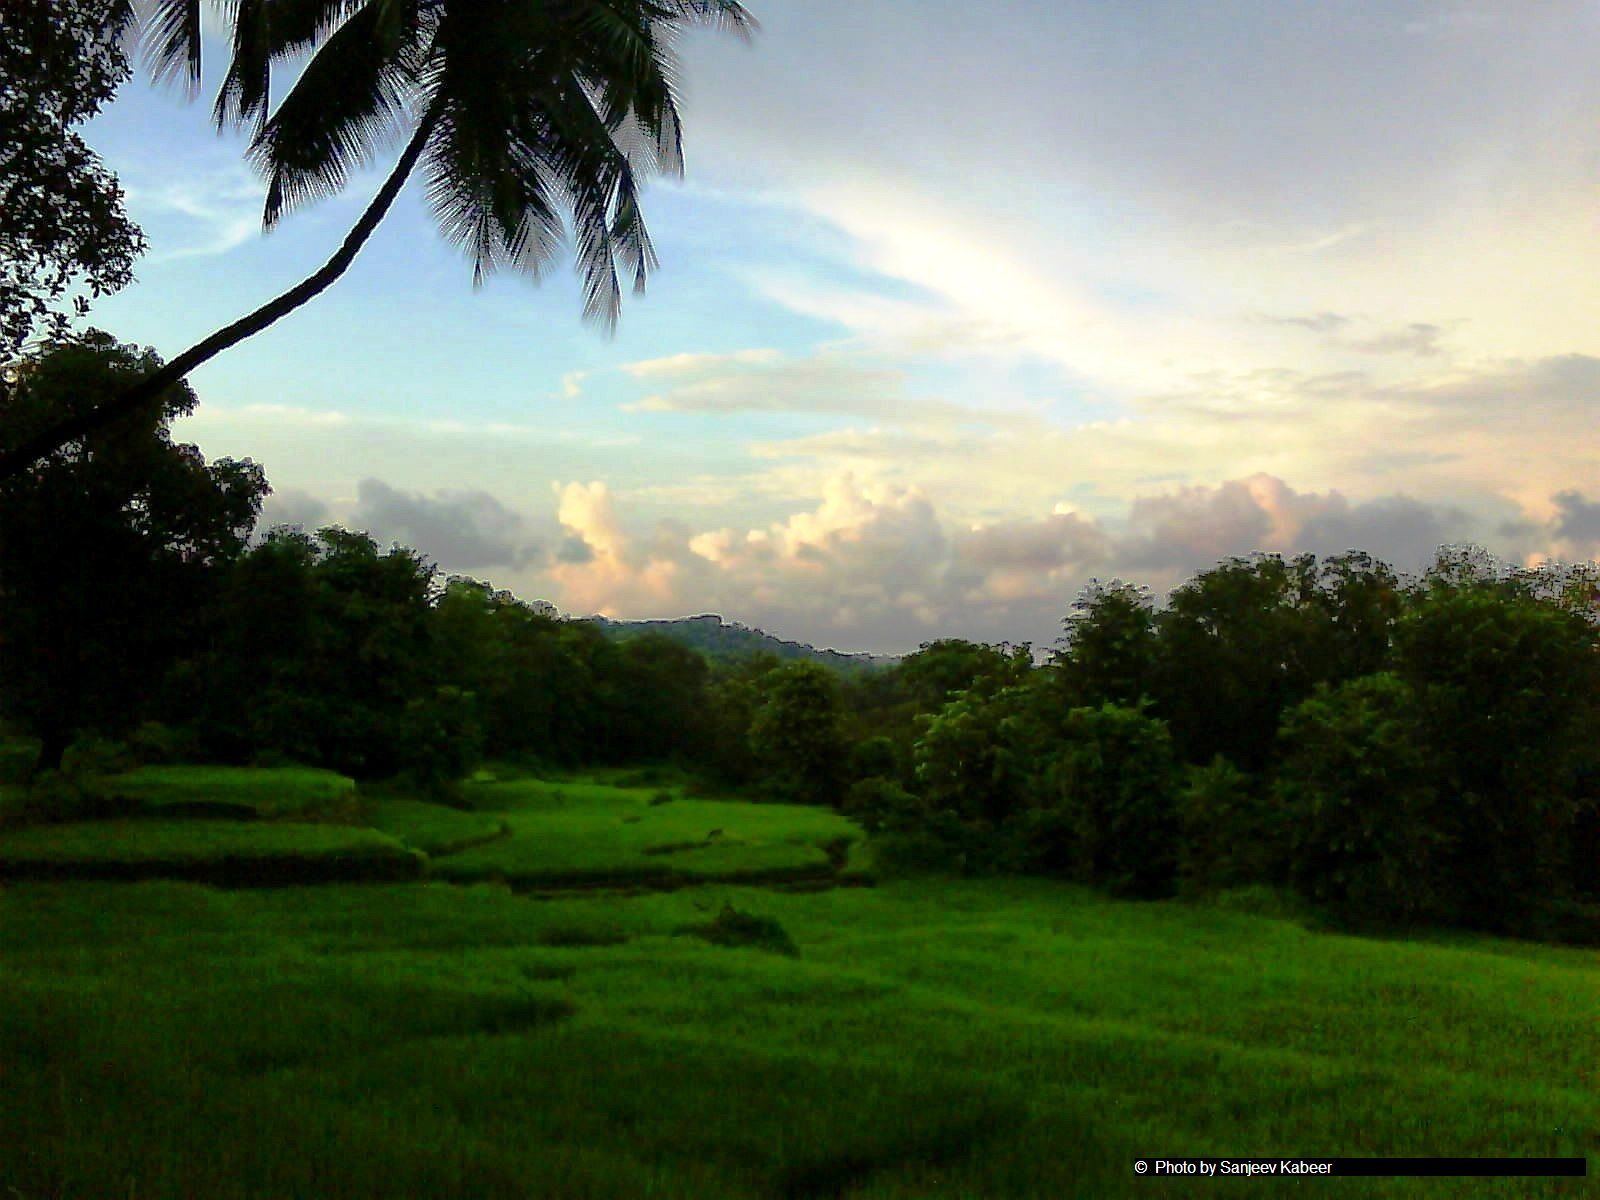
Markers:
{"x": 1108, "y": 647}
{"x": 1237, "y": 645}
{"x": 62, "y": 224}
{"x": 107, "y": 548}
{"x": 796, "y": 734}
{"x": 516, "y": 112}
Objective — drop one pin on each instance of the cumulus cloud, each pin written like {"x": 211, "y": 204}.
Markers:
{"x": 875, "y": 565}
{"x": 872, "y": 564}
{"x": 461, "y": 530}
{"x": 291, "y": 506}
{"x": 1577, "y": 523}
{"x": 1198, "y": 526}
{"x": 1398, "y": 529}
{"x": 600, "y": 567}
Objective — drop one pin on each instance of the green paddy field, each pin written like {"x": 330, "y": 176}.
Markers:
{"x": 560, "y": 1000}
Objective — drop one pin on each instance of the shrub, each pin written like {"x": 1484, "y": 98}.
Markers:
{"x": 648, "y": 777}
{"x": 90, "y": 756}
{"x": 1106, "y": 808}
{"x": 734, "y": 927}
{"x": 873, "y": 757}
{"x": 946, "y": 843}
{"x": 50, "y": 797}
{"x": 159, "y": 744}
{"x": 661, "y": 797}
{"x": 1228, "y": 836}
{"x": 1367, "y": 832}
{"x": 443, "y": 740}
{"x": 880, "y": 804}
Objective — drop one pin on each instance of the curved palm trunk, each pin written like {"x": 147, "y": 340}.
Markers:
{"x": 14, "y": 462}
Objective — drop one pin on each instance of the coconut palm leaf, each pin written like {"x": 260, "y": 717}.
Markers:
{"x": 516, "y": 110}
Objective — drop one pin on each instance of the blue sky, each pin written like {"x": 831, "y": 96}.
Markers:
{"x": 959, "y": 307}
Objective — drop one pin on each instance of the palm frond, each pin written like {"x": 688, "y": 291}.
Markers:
{"x": 489, "y": 199}
{"x": 172, "y": 42}
{"x": 630, "y": 72}
{"x": 729, "y": 16}
{"x": 602, "y": 189}
{"x": 352, "y": 96}
{"x": 247, "y": 86}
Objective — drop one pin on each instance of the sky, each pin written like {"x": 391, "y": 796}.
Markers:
{"x": 960, "y": 307}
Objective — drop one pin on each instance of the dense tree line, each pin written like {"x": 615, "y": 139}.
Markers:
{"x": 1417, "y": 753}
{"x": 1422, "y": 751}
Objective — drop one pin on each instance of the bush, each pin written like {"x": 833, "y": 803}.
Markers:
{"x": 946, "y": 843}
{"x": 443, "y": 740}
{"x": 154, "y": 743}
{"x": 1228, "y": 837}
{"x": 733, "y": 927}
{"x": 660, "y": 798}
{"x": 55, "y": 796}
{"x": 90, "y": 757}
{"x": 880, "y": 804}
{"x": 873, "y": 757}
{"x": 1367, "y": 831}
{"x": 1105, "y": 813}
{"x": 648, "y": 777}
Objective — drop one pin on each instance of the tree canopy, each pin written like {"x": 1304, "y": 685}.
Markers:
{"x": 105, "y": 548}
{"x": 63, "y": 230}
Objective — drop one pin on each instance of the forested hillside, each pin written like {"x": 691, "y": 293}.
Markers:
{"x": 1395, "y": 752}
{"x": 717, "y": 639}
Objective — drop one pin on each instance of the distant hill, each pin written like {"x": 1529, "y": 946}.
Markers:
{"x": 708, "y": 634}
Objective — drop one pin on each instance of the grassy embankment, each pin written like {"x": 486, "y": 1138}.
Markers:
{"x": 931, "y": 1038}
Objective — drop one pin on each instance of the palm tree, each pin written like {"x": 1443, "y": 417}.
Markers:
{"x": 519, "y": 112}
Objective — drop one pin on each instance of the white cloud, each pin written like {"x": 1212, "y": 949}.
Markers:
{"x": 207, "y": 212}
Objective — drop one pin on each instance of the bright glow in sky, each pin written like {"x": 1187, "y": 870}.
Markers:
{"x": 960, "y": 306}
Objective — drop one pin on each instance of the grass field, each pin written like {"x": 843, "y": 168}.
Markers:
{"x": 580, "y": 832}
{"x": 215, "y": 851}
{"x": 456, "y": 1038}
{"x": 931, "y": 1039}
{"x": 239, "y": 791}
{"x": 432, "y": 828}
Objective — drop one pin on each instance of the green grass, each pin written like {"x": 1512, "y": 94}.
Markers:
{"x": 532, "y": 833}
{"x": 993, "y": 1039}
{"x": 242, "y": 791}
{"x": 432, "y": 828}
{"x": 218, "y": 851}
{"x": 580, "y": 832}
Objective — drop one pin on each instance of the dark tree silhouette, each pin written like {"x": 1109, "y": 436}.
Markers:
{"x": 61, "y": 217}
{"x": 517, "y": 113}
{"x": 106, "y": 549}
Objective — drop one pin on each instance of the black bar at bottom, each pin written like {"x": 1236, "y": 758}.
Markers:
{"x": 1301, "y": 1167}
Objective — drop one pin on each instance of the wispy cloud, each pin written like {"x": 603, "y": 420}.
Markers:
{"x": 207, "y": 213}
